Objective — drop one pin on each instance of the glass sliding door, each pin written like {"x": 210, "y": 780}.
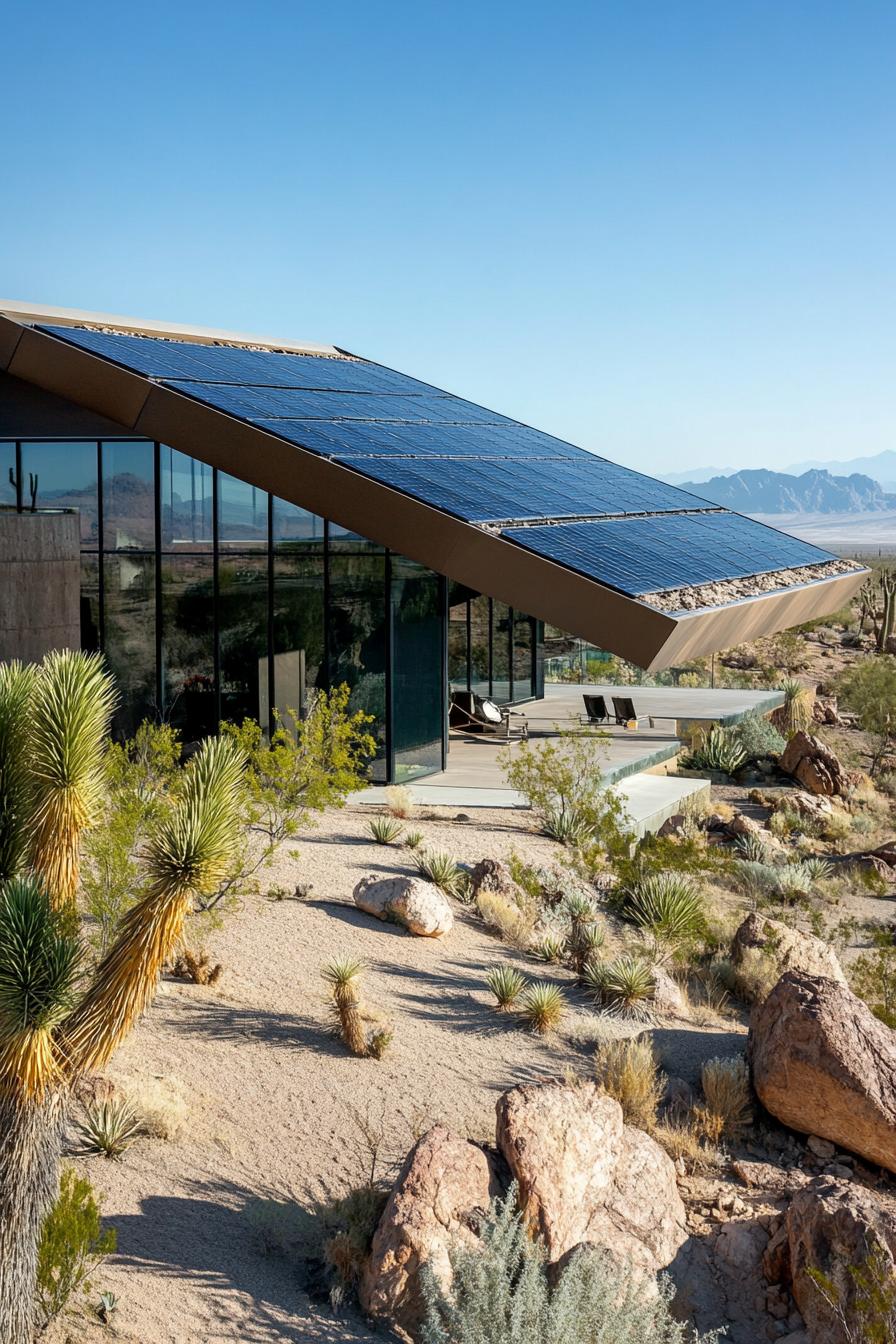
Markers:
{"x": 357, "y": 629}
{"x": 417, "y": 669}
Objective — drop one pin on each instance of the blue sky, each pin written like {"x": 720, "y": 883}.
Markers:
{"x": 665, "y": 231}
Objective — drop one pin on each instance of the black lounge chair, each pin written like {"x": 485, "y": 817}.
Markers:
{"x": 475, "y": 715}
{"x": 624, "y": 709}
{"x": 595, "y": 710}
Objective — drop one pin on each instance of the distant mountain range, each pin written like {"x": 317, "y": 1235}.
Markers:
{"x": 881, "y": 468}
{"x": 814, "y": 491}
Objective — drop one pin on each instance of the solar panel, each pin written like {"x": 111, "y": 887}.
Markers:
{"x": 644, "y": 555}
{"x": 252, "y": 402}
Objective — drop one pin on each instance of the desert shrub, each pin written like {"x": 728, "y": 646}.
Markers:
{"x": 347, "y": 1225}
{"x": 502, "y": 914}
{"x": 753, "y": 978}
{"x": 886, "y": 782}
{"x": 440, "y": 869}
{"x": 543, "y": 1007}
{"x": 759, "y": 738}
{"x": 561, "y": 777}
{"x": 307, "y": 766}
{"x": 719, "y": 749}
{"x": 73, "y": 1242}
{"x": 795, "y": 880}
{"x": 413, "y": 839}
{"x": 782, "y": 823}
{"x": 197, "y": 967}
{"x": 623, "y": 986}
{"x": 501, "y": 1293}
{"x": 400, "y": 801}
{"x": 507, "y": 984}
{"x": 110, "y": 1127}
{"x": 726, "y": 1089}
{"x": 384, "y": 829}
{"x": 873, "y": 977}
{"x": 668, "y": 908}
{"x": 627, "y": 1070}
{"x": 864, "y": 1302}
{"x": 869, "y": 689}
{"x": 836, "y": 827}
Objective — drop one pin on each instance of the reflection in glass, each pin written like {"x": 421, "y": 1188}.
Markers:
{"x": 242, "y": 512}
{"x": 243, "y": 637}
{"x": 90, "y": 603}
{"x": 480, "y": 657}
{"x": 416, "y": 670}
{"x": 299, "y": 664}
{"x": 501, "y": 633}
{"x": 522, "y": 656}
{"x": 66, "y": 479}
{"x": 7, "y": 464}
{"x": 130, "y": 636}
{"x": 358, "y": 631}
{"x": 188, "y": 662}
{"x": 129, "y": 497}
{"x": 292, "y": 523}
{"x": 458, "y": 641}
{"x": 186, "y": 490}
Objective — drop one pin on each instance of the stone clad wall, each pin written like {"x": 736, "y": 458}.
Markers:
{"x": 40, "y": 599}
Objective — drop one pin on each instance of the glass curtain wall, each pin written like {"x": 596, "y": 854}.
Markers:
{"x": 493, "y": 650}
{"x": 212, "y": 599}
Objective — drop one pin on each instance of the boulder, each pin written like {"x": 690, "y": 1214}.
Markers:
{"x": 812, "y": 806}
{"x": 832, "y": 1228}
{"x": 419, "y": 905}
{"x": 587, "y": 1178}
{"x": 445, "y": 1185}
{"x": 814, "y": 765}
{"x": 667, "y": 996}
{"x": 824, "y": 1064}
{"x": 787, "y": 949}
{"x": 493, "y": 875}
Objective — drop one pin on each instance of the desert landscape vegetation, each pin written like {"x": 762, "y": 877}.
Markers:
{"x": 280, "y": 1064}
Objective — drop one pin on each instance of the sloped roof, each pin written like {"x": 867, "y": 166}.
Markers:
{"x": 587, "y": 544}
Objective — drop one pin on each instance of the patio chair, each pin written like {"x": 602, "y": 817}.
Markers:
{"x": 624, "y": 709}
{"x": 475, "y": 715}
{"x": 595, "y": 710}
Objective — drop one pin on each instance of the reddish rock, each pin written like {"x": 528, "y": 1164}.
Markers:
{"x": 814, "y": 765}
{"x": 786, "y": 948}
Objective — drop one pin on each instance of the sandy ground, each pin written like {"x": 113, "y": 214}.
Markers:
{"x": 273, "y": 1098}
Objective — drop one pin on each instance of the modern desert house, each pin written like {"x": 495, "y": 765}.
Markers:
{"x": 256, "y": 519}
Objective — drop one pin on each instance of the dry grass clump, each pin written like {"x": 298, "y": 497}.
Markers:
{"x": 160, "y": 1104}
{"x": 399, "y": 801}
{"x": 543, "y": 1007}
{"x": 628, "y": 1071}
{"x": 726, "y": 1089}
{"x": 683, "y": 1140}
{"x": 752, "y": 978}
{"x": 344, "y": 976}
{"x": 196, "y": 967}
{"x": 514, "y": 923}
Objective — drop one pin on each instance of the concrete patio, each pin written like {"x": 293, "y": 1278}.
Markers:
{"x": 635, "y": 760}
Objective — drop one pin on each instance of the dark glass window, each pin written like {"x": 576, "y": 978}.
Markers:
{"x": 242, "y": 513}
{"x": 480, "y": 648}
{"x": 129, "y": 632}
{"x": 188, "y": 660}
{"x": 129, "y": 497}
{"x": 501, "y": 633}
{"x": 522, "y": 656}
{"x": 7, "y": 465}
{"x": 357, "y": 635}
{"x": 292, "y": 523}
{"x": 186, "y": 490}
{"x": 416, "y": 670}
{"x": 243, "y": 637}
{"x": 66, "y": 479}
{"x": 90, "y": 602}
{"x": 299, "y": 663}
{"x": 458, "y": 642}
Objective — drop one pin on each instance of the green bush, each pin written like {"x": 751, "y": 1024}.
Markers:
{"x": 869, "y": 688}
{"x": 758, "y": 737}
{"x": 73, "y": 1243}
{"x": 501, "y": 1293}
{"x": 873, "y": 977}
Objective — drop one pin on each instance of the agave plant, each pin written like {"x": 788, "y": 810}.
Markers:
{"x": 720, "y": 750}
{"x": 568, "y": 826}
{"x": 752, "y": 847}
{"x": 817, "y": 868}
{"x": 384, "y": 829}
{"x": 72, "y": 702}
{"x": 110, "y": 1127}
{"x": 668, "y": 907}
{"x": 53, "y": 1028}
{"x": 440, "y": 869}
{"x": 551, "y": 949}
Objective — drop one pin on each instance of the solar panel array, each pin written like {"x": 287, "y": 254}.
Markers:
{"x": 466, "y": 461}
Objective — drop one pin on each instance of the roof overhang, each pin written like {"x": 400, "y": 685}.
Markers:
{"x": 481, "y": 560}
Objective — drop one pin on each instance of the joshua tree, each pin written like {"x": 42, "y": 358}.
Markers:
{"x": 53, "y": 1029}
{"x": 16, "y": 687}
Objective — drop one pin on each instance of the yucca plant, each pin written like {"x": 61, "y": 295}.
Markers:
{"x": 507, "y": 984}
{"x": 668, "y": 907}
{"x": 551, "y": 949}
{"x": 51, "y": 1031}
{"x": 71, "y": 707}
{"x": 623, "y": 986}
{"x": 720, "y": 750}
{"x": 16, "y": 784}
{"x": 384, "y": 829}
{"x": 110, "y": 1127}
{"x": 543, "y": 1007}
{"x": 440, "y": 869}
{"x": 567, "y": 825}
{"x": 795, "y": 715}
{"x": 582, "y": 913}
{"x": 752, "y": 848}
{"x": 817, "y": 868}
{"x": 343, "y": 975}
{"x": 413, "y": 839}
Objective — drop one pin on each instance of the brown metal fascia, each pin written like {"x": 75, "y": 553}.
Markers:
{"x": 82, "y": 377}
{"x": 10, "y": 335}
